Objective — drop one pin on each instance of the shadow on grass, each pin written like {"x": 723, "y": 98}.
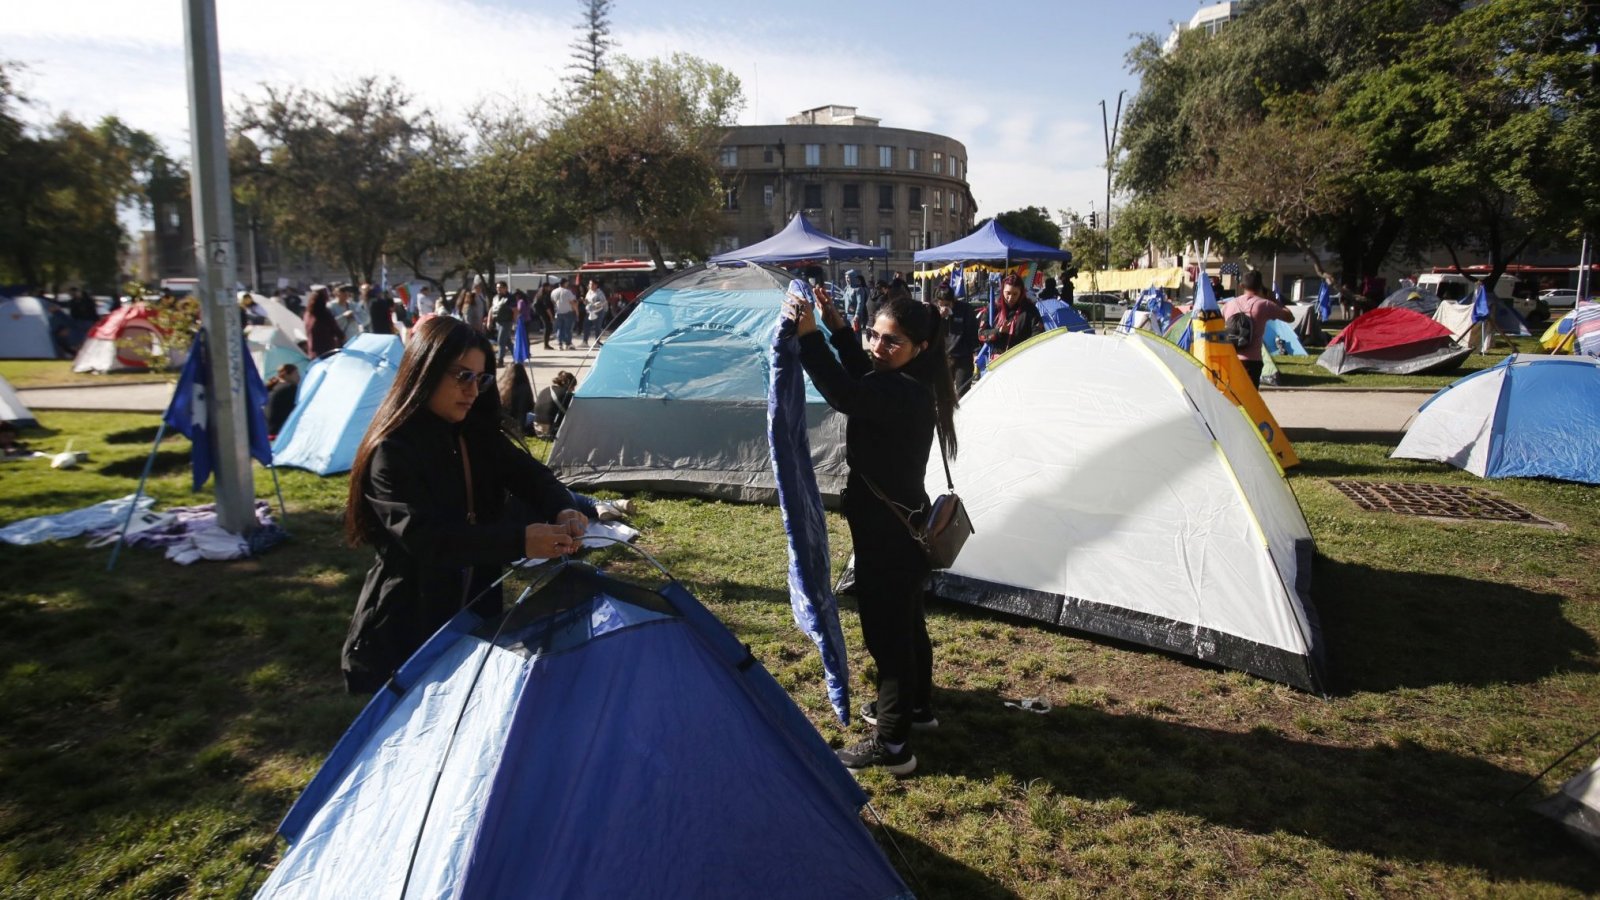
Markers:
{"x": 1392, "y": 802}
{"x": 1390, "y": 469}
{"x": 166, "y": 462}
{"x": 142, "y": 435}
{"x": 1387, "y": 630}
{"x": 931, "y": 874}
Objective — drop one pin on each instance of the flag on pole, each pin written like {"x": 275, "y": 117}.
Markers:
{"x": 958, "y": 279}
{"x": 187, "y": 413}
{"x": 1480, "y": 303}
{"x": 1324, "y": 302}
{"x": 1155, "y": 302}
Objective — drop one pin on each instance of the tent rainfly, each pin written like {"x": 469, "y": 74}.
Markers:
{"x": 1577, "y": 806}
{"x": 1527, "y": 417}
{"x": 1393, "y": 340}
{"x": 336, "y": 402}
{"x": 596, "y": 740}
{"x": 677, "y": 399}
{"x": 991, "y": 242}
{"x": 12, "y": 409}
{"x": 25, "y": 329}
{"x": 1136, "y": 501}
{"x": 125, "y": 339}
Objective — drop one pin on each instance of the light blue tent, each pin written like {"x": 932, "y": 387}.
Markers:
{"x": 336, "y": 402}
{"x": 1529, "y": 416}
{"x": 1281, "y": 340}
{"x": 596, "y": 740}
{"x": 677, "y": 399}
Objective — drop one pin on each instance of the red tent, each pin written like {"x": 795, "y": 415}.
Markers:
{"x": 126, "y": 338}
{"x": 1392, "y": 340}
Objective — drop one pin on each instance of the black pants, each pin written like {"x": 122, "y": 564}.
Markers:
{"x": 1252, "y": 367}
{"x": 890, "y": 573}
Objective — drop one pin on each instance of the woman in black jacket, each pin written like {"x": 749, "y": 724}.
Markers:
{"x": 894, "y": 399}
{"x": 428, "y": 492}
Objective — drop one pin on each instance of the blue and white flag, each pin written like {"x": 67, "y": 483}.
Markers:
{"x": 958, "y": 279}
{"x": 811, "y": 598}
{"x": 1480, "y": 303}
{"x": 1156, "y": 303}
{"x": 187, "y": 414}
{"x": 1324, "y": 302}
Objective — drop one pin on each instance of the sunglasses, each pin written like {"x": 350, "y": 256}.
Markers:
{"x": 894, "y": 341}
{"x": 464, "y": 377}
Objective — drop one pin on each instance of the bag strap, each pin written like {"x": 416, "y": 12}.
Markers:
{"x": 466, "y": 468}
{"x": 894, "y": 508}
{"x": 949, "y": 482}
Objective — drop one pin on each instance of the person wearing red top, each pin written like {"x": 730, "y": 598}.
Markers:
{"x": 1261, "y": 309}
{"x": 1016, "y": 320}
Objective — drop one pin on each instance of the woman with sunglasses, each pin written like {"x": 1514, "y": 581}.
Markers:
{"x": 895, "y": 397}
{"x": 428, "y": 492}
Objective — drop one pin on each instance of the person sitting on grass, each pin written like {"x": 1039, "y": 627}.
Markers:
{"x": 550, "y": 409}
{"x": 428, "y": 492}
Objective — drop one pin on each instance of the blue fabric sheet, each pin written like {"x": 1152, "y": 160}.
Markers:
{"x": 72, "y": 523}
{"x": 811, "y": 598}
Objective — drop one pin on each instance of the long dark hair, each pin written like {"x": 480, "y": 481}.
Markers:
{"x": 922, "y": 323}
{"x": 317, "y": 306}
{"x": 435, "y": 346}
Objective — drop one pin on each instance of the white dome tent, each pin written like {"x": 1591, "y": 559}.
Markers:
{"x": 25, "y": 329}
{"x": 1114, "y": 489}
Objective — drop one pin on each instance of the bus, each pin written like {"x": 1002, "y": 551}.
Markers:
{"x": 624, "y": 279}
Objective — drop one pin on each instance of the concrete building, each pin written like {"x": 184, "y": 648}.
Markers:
{"x": 889, "y": 187}
{"x": 1210, "y": 19}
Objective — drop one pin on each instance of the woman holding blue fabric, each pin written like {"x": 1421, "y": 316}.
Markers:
{"x": 429, "y": 492}
{"x": 895, "y": 397}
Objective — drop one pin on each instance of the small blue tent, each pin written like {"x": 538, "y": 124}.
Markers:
{"x": 1529, "y": 416}
{"x": 336, "y": 403}
{"x": 596, "y": 740}
{"x": 1281, "y": 340}
{"x": 1060, "y": 314}
{"x": 800, "y": 242}
{"x": 677, "y": 399}
{"x": 991, "y": 242}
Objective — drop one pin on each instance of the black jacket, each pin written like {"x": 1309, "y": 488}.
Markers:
{"x": 430, "y": 561}
{"x": 891, "y": 423}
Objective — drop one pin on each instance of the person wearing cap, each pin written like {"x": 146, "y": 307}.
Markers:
{"x": 1016, "y": 320}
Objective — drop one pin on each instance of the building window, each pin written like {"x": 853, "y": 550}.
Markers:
{"x": 913, "y": 158}
{"x": 608, "y": 243}
{"x": 813, "y": 196}
{"x": 955, "y": 203}
{"x": 938, "y": 199}
{"x": 886, "y": 196}
{"x": 730, "y": 197}
{"x": 852, "y": 196}
{"x": 938, "y": 162}
{"x": 852, "y": 154}
{"x": 916, "y": 240}
{"x": 955, "y": 167}
{"x": 938, "y": 237}
{"x": 727, "y": 243}
{"x": 730, "y": 156}
{"x": 813, "y": 154}
{"x": 766, "y": 195}
{"x": 916, "y": 198}
{"x": 885, "y": 157}
{"x": 886, "y": 240}
{"x": 766, "y": 154}
{"x": 641, "y": 247}
{"x": 852, "y": 233}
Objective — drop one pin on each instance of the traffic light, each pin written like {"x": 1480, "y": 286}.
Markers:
{"x": 1093, "y": 221}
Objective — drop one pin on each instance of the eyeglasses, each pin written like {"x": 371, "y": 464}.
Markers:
{"x": 894, "y": 341}
{"x": 480, "y": 380}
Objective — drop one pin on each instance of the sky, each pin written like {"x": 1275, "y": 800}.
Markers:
{"x": 1021, "y": 88}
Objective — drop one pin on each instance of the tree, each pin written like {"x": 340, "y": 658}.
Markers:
{"x": 589, "y": 49}
{"x": 1031, "y": 223}
{"x": 331, "y": 166}
{"x": 643, "y": 149}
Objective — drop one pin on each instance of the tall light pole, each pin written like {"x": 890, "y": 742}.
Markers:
{"x": 1110, "y": 132}
{"x": 924, "y": 238}
{"x": 214, "y": 252}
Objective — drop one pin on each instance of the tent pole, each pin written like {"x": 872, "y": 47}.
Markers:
{"x": 283, "y": 511}
{"x": 1535, "y": 779}
{"x": 149, "y": 461}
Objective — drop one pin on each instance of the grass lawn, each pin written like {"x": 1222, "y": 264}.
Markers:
{"x": 156, "y": 723}
{"x": 39, "y": 373}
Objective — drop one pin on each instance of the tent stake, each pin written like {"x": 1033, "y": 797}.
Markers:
{"x": 149, "y": 461}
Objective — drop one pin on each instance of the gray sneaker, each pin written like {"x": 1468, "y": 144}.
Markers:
{"x": 871, "y": 753}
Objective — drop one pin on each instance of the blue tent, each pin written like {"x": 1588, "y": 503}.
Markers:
{"x": 1528, "y": 416}
{"x": 336, "y": 401}
{"x": 799, "y": 242}
{"x": 990, "y": 242}
{"x": 1060, "y": 314}
{"x": 1281, "y": 332}
{"x": 677, "y": 398}
{"x": 596, "y": 740}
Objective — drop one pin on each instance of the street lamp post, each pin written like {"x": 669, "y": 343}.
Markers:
{"x": 924, "y": 267}
{"x": 1110, "y": 133}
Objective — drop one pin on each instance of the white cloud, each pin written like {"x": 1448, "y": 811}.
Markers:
{"x": 126, "y": 58}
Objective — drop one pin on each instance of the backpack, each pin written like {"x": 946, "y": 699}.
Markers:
{"x": 1238, "y": 331}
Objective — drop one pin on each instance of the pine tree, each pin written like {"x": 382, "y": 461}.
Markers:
{"x": 590, "y": 48}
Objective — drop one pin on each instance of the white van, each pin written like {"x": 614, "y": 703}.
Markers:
{"x": 1453, "y": 286}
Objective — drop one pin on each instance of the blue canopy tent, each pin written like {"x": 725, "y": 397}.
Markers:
{"x": 799, "y": 242}
{"x": 991, "y": 242}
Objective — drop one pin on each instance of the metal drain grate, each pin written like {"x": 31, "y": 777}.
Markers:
{"x": 1442, "y": 500}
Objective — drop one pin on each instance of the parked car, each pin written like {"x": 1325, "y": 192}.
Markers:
{"x": 1100, "y": 306}
{"x": 1560, "y": 298}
